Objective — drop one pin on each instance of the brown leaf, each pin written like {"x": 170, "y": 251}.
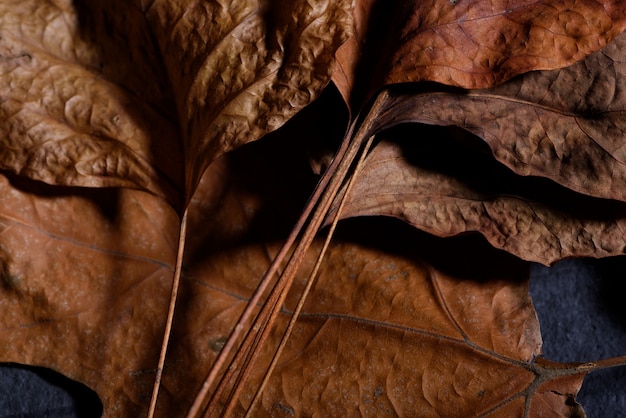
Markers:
{"x": 78, "y": 271}
{"x": 247, "y": 66}
{"x": 446, "y": 187}
{"x": 567, "y": 125}
{"x": 479, "y": 44}
{"x": 88, "y": 277}
{"x": 63, "y": 122}
{"x": 383, "y": 332}
{"x": 398, "y": 321}
{"x": 78, "y": 265}
{"x": 121, "y": 94}
{"x": 467, "y": 43}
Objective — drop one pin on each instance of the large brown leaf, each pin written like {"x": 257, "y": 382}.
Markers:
{"x": 392, "y": 326}
{"x": 391, "y": 333}
{"x": 128, "y": 94}
{"x": 471, "y": 44}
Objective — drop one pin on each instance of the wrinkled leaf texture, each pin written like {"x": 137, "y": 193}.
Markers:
{"x": 470, "y": 44}
{"x": 565, "y": 125}
{"x": 135, "y": 94}
{"x": 409, "y": 179}
{"x": 127, "y": 94}
{"x": 146, "y": 95}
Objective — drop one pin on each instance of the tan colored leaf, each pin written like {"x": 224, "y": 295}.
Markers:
{"x": 471, "y": 44}
{"x": 567, "y": 125}
{"x": 132, "y": 95}
{"x": 446, "y": 187}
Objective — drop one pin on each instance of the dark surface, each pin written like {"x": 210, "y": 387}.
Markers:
{"x": 582, "y": 311}
{"x": 27, "y": 392}
{"x": 581, "y": 307}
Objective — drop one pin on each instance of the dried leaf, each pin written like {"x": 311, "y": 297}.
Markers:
{"x": 191, "y": 83}
{"x": 248, "y": 66}
{"x": 88, "y": 276}
{"x": 63, "y": 122}
{"x": 567, "y": 125}
{"x": 118, "y": 94}
{"x": 467, "y": 43}
{"x": 371, "y": 308}
{"x": 479, "y": 44}
{"x": 78, "y": 267}
{"x": 398, "y": 321}
{"x": 446, "y": 186}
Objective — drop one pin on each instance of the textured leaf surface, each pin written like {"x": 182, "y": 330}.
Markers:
{"x": 149, "y": 95}
{"x": 130, "y": 95}
{"x": 247, "y": 66}
{"x": 391, "y": 326}
{"x": 471, "y": 44}
{"x": 567, "y": 125}
{"x": 63, "y": 121}
{"x": 77, "y": 272}
{"x": 446, "y": 186}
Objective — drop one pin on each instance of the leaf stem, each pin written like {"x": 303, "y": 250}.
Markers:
{"x": 318, "y": 206}
{"x": 606, "y": 363}
{"x": 310, "y": 280}
{"x": 170, "y": 314}
{"x": 256, "y": 297}
{"x": 258, "y": 332}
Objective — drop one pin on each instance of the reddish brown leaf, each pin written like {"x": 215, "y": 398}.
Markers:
{"x": 217, "y": 75}
{"x": 369, "y": 310}
{"x": 468, "y": 43}
{"x": 85, "y": 290}
{"x": 78, "y": 272}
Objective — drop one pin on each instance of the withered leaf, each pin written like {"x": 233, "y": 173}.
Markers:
{"x": 240, "y": 69}
{"x": 87, "y": 274}
{"x": 567, "y": 125}
{"x": 448, "y": 187}
{"x": 86, "y": 277}
{"x": 190, "y": 83}
{"x": 392, "y": 325}
{"x": 385, "y": 334}
{"x": 479, "y": 44}
{"x": 139, "y": 95}
{"x": 63, "y": 121}
{"x": 468, "y": 43}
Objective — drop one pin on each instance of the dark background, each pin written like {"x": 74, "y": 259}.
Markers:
{"x": 581, "y": 306}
